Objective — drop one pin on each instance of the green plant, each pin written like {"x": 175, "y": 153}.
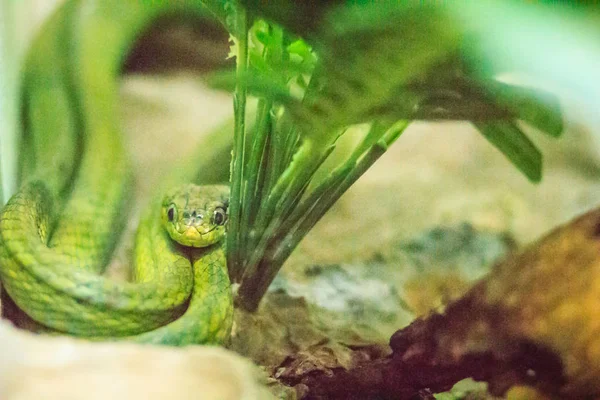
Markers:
{"x": 354, "y": 64}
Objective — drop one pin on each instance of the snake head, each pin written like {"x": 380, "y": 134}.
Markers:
{"x": 196, "y": 216}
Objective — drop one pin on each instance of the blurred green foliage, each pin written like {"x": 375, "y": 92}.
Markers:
{"x": 319, "y": 68}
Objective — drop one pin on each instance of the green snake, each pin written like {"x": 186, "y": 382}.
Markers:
{"x": 58, "y": 231}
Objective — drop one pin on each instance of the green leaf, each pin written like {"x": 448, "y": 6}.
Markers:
{"x": 259, "y": 85}
{"x": 365, "y": 54}
{"x": 536, "y": 107}
{"x": 515, "y": 145}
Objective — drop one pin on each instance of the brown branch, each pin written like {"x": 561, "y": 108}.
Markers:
{"x": 531, "y": 321}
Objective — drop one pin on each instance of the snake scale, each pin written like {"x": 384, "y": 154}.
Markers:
{"x": 58, "y": 232}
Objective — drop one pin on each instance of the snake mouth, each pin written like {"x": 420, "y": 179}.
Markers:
{"x": 192, "y": 237}
{"x": 195, "y": 232}
{"x": 207, "y": 232}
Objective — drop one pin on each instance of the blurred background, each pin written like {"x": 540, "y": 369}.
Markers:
{"x": 437, "y": 173}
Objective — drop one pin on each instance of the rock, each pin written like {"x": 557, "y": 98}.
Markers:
{"x": 532, "y": 321}
{"x": 351, "y": 300}
{"x": 33, "y": 367}
{"x": 442, "y": 263}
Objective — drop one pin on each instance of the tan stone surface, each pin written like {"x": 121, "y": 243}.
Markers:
{"x": 33, "y": 368}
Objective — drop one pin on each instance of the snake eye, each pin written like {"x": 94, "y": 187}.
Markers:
{"x": 171, "y": 213}
{"x": 219, "y": 216}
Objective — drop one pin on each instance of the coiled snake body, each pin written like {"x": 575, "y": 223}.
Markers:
{"x": 58, "y": 231}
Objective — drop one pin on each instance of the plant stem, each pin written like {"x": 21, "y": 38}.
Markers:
{"x": 274, "y": 250}
{"x": 264, "y": 223}
{"x": 255, "y": 172}
{"x": 234, "y": 255}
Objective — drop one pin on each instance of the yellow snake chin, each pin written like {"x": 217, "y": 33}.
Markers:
{"x": 195, "y": 216}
